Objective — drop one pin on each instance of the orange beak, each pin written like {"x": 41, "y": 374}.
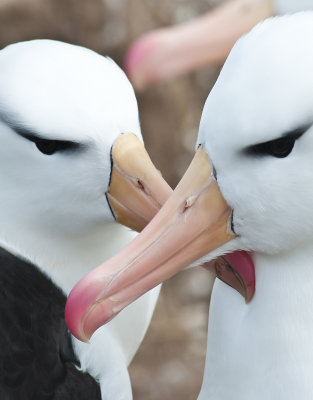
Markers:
{"x": 194, "y": 221}
{"x": 136, "y": 190}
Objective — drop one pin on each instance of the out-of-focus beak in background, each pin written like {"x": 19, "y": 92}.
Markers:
{"x": 164, "y": 54}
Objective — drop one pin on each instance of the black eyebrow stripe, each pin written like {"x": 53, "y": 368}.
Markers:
{"x": 34, "y": 137}
{"x": 296, "y": 133}
{"x": 26, "y": 133}
{"x": 257, "y": 149}
{"x": 18, "y": 128}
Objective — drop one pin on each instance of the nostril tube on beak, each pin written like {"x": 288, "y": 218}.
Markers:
{"x": 189, "y": 202}
{"x": 140, "y": 185}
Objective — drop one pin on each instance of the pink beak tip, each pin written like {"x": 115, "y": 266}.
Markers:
{"x": 237, "y": 270}
{"x": 85, "y": 311}
{"x": 76, "y": 307}
{"x": 72, "y": 314}
{"x": 138, "y": 51}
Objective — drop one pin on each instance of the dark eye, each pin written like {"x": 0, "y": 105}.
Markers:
{"x": 47, "y": 147}
{"x": 280, "y": 148}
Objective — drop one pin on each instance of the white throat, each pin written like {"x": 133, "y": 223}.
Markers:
{"x": 263, "y": 350}
{"x": 67, "y": 258}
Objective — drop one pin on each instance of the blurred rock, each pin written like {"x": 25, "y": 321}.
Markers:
{"x": 73, "y": 21}
{"x": 170, "y": 363}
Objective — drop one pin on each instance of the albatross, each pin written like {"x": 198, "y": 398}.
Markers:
{"x": 249, "y": 188}
{"x": 72, "y": 165}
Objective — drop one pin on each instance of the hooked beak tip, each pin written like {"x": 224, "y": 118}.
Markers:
{"x": 237, "y": 270}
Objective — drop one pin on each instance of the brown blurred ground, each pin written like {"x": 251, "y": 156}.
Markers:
{"x": 169, "y": 365}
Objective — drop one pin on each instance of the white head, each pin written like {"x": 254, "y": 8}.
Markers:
{"x": 61, "y": 109}
{"x": 54, "y": 91}
{"x": 257, "y": 193}
{"x": 265, "y": 92}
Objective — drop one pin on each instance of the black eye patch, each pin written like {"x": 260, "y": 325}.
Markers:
{"x": 48, "y": 146}
{"x": 45, "y": 146}
{"x": 279, "y": 148}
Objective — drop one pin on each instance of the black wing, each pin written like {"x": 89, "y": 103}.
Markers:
{"x": 37, "y": 360}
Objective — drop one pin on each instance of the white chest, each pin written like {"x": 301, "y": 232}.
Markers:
{"x": 263, "y": 350}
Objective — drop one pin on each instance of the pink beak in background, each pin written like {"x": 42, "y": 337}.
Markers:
{"x": 194, "y": 221}
{"x": 166, "y": 53}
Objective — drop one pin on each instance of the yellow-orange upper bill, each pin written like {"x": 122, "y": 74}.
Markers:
{"x": 137, "y": 190}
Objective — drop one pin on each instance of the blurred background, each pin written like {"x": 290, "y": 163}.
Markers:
{"x": 169, "y": 365}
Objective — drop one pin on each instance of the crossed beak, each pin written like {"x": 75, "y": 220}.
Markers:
{"x": 194, "y": 221}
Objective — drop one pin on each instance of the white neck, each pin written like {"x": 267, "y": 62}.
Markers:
{"x": 67, "y": 258}
{"x": 263, "y": 350}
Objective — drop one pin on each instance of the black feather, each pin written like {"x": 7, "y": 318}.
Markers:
{"x": 37, "y": 360}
